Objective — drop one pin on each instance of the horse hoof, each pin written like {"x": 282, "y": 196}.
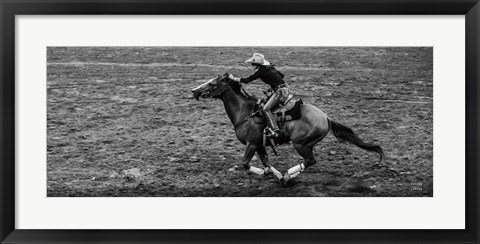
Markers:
{"x": 275, "y": 172}
{"x": 267, "y": 171}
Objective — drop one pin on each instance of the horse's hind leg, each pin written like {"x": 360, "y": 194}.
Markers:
{"x": 249, "y": 152}
{"x": 306, "y": 152}
{"x": 262, "y": 153}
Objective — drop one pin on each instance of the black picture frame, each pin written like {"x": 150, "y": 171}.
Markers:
{"x": 10, "y": 8}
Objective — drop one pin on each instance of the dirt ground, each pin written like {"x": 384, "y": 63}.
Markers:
{"x": 122, "y": 122}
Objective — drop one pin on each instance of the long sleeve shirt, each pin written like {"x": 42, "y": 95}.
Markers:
{"x": 267, "y": 74}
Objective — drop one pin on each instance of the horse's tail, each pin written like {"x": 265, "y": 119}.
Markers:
{"x": 345, "y": 134}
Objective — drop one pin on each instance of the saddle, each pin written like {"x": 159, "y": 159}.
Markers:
{"x": 289, "y": 110}
{"x": 286, "y": 111}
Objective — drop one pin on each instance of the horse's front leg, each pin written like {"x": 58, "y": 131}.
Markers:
{"x": 249, "y": 152}
{"x": 262, "y": 153}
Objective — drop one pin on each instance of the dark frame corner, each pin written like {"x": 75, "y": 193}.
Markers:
{"x": 10, "y": 8}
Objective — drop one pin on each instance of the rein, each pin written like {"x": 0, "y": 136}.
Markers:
{"x": 246, "y": 93}
{"x": 235, "y": 126}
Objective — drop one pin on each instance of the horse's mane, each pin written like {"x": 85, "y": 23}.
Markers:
{"x": 237, "y": 88}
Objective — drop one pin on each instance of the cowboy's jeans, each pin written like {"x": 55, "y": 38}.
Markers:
{"x": 279, "y": 96}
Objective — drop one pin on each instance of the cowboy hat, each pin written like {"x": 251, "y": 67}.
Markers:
{"x": 257, "y": 58}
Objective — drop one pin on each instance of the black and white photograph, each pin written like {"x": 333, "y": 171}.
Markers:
{"x": 231, "y": 121}
{"x": 246, "y": 121}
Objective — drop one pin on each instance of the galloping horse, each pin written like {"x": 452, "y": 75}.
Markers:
{"x": 305, "y": 132}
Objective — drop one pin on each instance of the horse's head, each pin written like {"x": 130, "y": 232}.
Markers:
{"x": 212, "y": 88}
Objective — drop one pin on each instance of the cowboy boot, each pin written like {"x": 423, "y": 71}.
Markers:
{"x": 271, "y": 122}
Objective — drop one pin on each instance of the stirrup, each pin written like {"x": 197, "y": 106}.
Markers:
{"x": 272, "y": 133}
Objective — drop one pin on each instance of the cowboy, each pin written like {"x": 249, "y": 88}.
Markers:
{"x": 268, "y": 74}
